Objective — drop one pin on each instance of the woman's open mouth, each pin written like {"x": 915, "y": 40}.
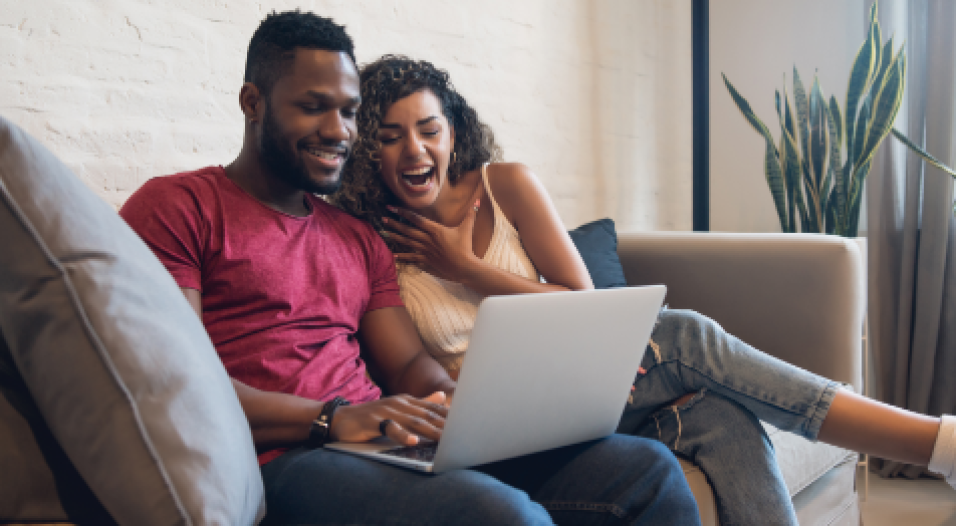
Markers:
{"x": 419, "y": 179}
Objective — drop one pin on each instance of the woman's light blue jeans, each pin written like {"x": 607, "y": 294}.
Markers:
{"x": 718, "y": 429}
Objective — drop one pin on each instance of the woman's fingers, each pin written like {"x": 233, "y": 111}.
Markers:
{"x": 422, "y": 223}
{"x": 410, "y": 243}
{"x": 408, "y": 231}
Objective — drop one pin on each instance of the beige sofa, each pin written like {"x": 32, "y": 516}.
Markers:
{"x": 799, "y": 297}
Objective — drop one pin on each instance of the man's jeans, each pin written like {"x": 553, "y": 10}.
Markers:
{"x": 718, "y": 429}
{"x": 616, "y": 480}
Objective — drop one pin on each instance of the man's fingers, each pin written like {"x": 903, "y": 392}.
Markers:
{"x": 396, "y": 432}
{"x": 434, "y": 403}
{"x": 422, "y": 427}
{"x": 438, "y": 397}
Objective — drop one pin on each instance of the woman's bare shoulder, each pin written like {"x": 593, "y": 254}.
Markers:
{"x": 513, "y": 185}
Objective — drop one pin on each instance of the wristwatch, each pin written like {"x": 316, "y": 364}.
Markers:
{"x": 322, "y": 425}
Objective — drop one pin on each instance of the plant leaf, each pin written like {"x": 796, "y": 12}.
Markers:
{"x": 831, "y": 217}
{"x": 818, "y": 133}
{"x": 776, "y": 100}
{"x": 855, "y": 200}
{"x": 772, "y": 169}
{"x": 886, "y": 105}
{"x": 802, "y": 106}
{"x": 886, "y": 58}
{"x": 837, "y": 199}
{"x": 922, "y": 153}
{"x": 825, "y": 194}
{"x": 788, "y": 114}
{"x": 792, "y": 173}
{"x": 744, "y": 108}
{"x": 837, "y": 120}
{"x": 860, "y": 75}
{"x": 859, "y": 137}
{"x": 877, "y": 38}
{"x": 775, "y": 181}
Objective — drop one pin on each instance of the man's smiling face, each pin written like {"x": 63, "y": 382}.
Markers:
{"x": 308, "y": 125}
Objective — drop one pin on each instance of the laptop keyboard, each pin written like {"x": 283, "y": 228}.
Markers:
{"x": 424, "y": 452}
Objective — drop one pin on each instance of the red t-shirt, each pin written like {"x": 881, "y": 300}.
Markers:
{"x": 282, "y": 296}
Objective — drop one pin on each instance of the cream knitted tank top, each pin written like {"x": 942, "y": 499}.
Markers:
{"x": 444, "y": 311}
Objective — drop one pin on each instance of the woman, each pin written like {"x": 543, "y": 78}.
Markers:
{"x": 463, "y": 227}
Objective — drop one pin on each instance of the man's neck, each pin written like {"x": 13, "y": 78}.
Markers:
{"x": 251, "y": 176}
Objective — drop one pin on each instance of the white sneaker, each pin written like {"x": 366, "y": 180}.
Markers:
{"x": 943, "y": 460}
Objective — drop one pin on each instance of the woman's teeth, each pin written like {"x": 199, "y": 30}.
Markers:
{"x": 417, "y": 177}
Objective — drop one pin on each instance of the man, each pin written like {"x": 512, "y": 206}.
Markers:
{"x": 290, "y": 289}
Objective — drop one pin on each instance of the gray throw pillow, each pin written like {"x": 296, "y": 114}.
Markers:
{"x": 105, "y": 361}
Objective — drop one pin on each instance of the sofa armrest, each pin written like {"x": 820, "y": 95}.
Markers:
{"x": 799, "y": 297}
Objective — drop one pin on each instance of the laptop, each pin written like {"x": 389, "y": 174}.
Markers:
{"x": 542, "y": 371}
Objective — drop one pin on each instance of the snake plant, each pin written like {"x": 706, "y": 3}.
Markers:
{"x": 816, "y": 173}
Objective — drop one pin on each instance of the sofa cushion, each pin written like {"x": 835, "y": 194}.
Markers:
{"x": 597, "y": 243}
{"x": 118, "y": 367}
{"x": 801, "y": 461}
{"x": 38, "y": 481}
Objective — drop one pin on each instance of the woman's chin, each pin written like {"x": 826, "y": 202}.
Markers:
{"x": 417, "y": 203}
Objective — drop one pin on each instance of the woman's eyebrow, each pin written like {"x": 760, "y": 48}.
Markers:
{"x": 393, "y": 126}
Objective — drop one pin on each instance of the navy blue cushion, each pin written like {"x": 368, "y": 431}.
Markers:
{"x": 597, "y": 243}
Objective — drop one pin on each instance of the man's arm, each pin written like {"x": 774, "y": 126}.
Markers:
{"x": 397, "y": 356}
{"x": 279, "y": 419}
{"x": 276, "y": 419}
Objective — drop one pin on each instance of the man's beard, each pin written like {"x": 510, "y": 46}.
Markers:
{"x": 287, "y": 164}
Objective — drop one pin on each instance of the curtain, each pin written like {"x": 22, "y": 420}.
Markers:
{"x": 911, "y": 228}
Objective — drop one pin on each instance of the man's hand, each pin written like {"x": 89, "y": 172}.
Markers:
{"x": 410, "y": 419}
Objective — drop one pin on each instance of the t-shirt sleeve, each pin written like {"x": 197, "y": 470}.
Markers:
{"x": 167, "y": 217}
{"x": 383, "y": 281}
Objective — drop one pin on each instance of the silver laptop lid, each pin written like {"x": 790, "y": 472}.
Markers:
{"x": 545, "y": 371}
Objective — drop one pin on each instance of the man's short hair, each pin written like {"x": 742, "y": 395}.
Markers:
{"x": 272, "y": 48}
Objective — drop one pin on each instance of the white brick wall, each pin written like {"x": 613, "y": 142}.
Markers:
{"x": 593, "y": 95}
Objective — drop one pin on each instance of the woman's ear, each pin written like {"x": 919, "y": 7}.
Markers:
{"x": 452, "y": 158}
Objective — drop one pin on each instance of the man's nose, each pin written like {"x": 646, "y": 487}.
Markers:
{"x": 335, "y": 128}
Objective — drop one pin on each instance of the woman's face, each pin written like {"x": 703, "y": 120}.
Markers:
{"x": 416, "y": 144}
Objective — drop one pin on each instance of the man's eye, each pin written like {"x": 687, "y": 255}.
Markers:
{"x": 312, "y": 109}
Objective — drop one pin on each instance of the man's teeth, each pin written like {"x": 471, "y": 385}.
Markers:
{"x": 331, "y": 156}
{"x": 419, "y": 171}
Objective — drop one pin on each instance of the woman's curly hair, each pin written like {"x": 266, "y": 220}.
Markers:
{"x": 384, "y": 82}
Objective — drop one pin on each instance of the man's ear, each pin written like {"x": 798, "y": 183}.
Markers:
{"x": 251, "y": 102}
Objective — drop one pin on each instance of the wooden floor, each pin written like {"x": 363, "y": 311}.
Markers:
{"x": 896, "y": 502}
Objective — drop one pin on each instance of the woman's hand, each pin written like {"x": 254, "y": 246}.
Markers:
{"x": 411, "y": 419}
{"x": 442, "y": 251}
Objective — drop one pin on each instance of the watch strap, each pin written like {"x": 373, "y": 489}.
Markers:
{"x": 322, "y": 425}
